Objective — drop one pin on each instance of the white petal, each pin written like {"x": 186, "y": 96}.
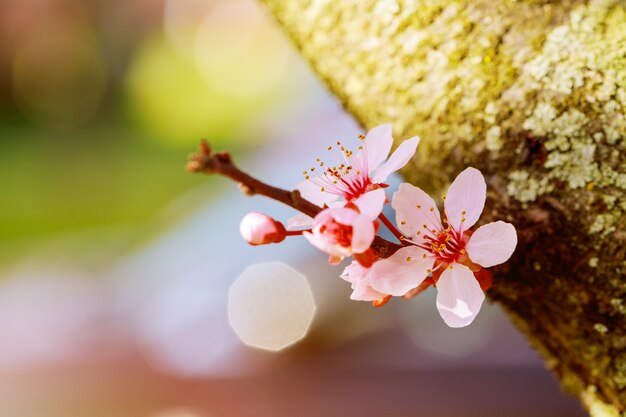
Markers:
{"x": 459, "y": 296}
{"x": 492, "y": 244}
{"x": 371, "y": 203}
{"x": 358, "y": 276}
{"x": 314, "y": 193}
{"x": 398, "y": 159}
{"x": 355, "y": 273}
{"x": 299, "y": 220}
{"x": 401, "y": 272}
{"x": 466, "y": 199}
{"x": 378, "y": 143}
{"x": 414, "y": 209}
{"x": 341, "y": 215}
{"x": 365, "y": 293}
{"x": 326, "y": 245}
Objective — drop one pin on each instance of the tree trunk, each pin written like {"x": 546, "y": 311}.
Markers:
{"x": 533, "y": 93}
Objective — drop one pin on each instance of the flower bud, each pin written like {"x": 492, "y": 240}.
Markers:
{"x": 259, "y": 229}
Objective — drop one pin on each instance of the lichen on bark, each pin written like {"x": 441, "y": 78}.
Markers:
{"x": 534, "y": 94}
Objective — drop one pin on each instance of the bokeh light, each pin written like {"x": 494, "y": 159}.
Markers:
{"x": 196, "y": 80}
{"x": 235, "y": 37}
{"x": 170, "y": 99}
{"x": 270, "y": 306}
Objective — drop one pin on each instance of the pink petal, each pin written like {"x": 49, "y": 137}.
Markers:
{"x": 314, "y": 193}
{"x": 492, "y": 244}
{"x": 398, "y": 159}
{"x": 365, "y": 293}
{"x": 355, "y": 273}
{"x": 401, "y": 272}
{"x": 358, "y": 276}
{"x": 359, "y": 164}
{"x": 378, "y": 143}
{"x": 466, "y": 199}
{"x": 322, "y": 217}
{"x": 371, "y": 203}
{"x": 299, "y": 220}
{"x": 459, "y": 296}
{"x": 363, "y": 233}
{"x": 414, "y": 209}
{"x": 325, "y": 245}
{"x": 342, "y": 215}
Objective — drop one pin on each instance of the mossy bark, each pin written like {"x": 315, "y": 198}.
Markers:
{"x": 533, "y": 93}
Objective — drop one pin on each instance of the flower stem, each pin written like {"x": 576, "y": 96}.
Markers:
{"x": 296, "y": 232}
{"x": 391, "y": 227}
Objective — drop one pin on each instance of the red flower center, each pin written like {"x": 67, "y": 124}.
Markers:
{"x": 447, "y": 245}
{"x": 340, "y": 233}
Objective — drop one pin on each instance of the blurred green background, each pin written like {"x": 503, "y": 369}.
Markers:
{"x": 100, "y": 102}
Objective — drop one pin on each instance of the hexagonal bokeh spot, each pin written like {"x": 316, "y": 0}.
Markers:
{"x": 270, "y": 306}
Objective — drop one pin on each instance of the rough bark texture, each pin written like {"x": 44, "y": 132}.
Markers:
{"x": 534, "y": 94}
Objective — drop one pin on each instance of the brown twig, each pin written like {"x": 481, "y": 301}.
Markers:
{"x": 208, "y": 162}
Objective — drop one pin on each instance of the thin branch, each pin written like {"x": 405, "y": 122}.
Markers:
{"x": 391, "y": 227}
{"x": 221, "y": 163}
{"x": 208, "y": 162}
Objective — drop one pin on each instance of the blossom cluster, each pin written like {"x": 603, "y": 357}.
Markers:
{"x": 434, "y": 250}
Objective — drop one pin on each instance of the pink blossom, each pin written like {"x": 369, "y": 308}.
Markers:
{"x": 357, "y": 275}
{"x": 345, "y": 231}
{"x": 453, "y": 256}
{"x": 259, "y": 229}
{"x": 356, "y": 174}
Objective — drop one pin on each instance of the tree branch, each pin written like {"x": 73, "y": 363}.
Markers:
{"x": 521, "y": 91}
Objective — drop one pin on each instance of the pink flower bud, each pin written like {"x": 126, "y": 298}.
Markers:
{"x": 259, "y": 229}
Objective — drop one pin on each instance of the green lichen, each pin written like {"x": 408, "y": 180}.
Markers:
{"x": 604, "y": 224}
{"x": 619, "y": 306}
{"x": 493, "y": 138}
{"x": 600, "y": 328}
{"x": 525, "y": 188}
{"x": 595, "y": 405}
{"x": 580, "y": 79}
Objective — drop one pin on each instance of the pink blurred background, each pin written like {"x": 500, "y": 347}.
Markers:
{"x": 115, "y": 264}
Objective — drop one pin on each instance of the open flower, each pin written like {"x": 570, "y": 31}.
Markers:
{"x": 356, "y": 174}
{"x": 260, "y": 229}
{"x": 453, "y": 256}
{"x": 348, "y": 231}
